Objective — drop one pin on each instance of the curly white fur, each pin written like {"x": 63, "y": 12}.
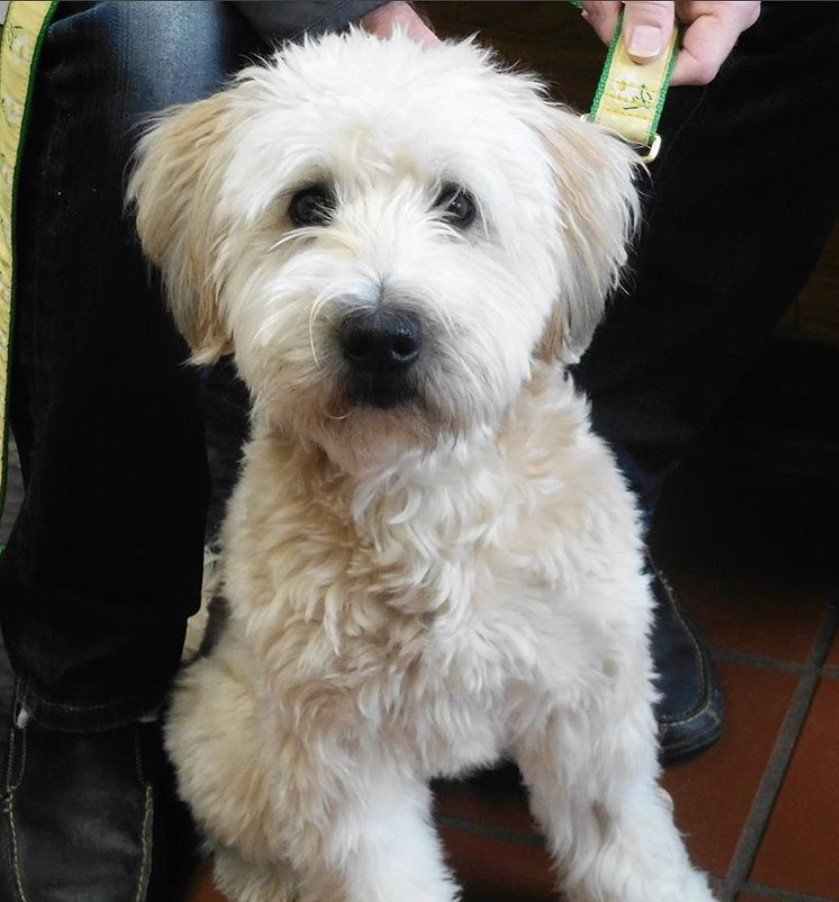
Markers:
{"x": 416, "y": 591}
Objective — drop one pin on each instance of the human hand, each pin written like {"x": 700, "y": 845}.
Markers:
{"x": 383, "y": 21}
{"x": 713, "y": 27}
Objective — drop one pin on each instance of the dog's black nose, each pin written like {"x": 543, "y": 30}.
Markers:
{"x": 380, "y": 341}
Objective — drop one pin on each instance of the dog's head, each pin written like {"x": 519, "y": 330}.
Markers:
{"x": 387, "y": 236}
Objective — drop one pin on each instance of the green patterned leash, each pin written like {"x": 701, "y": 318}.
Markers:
{"x": 630, "y": 96}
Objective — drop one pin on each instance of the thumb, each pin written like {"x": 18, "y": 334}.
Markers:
{"x": 647, "y": 28}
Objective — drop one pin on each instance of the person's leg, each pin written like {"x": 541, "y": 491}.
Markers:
{"x": 743, "y": 198}
{"x": 100, "y": 572}
{"x": 104, "y": 564}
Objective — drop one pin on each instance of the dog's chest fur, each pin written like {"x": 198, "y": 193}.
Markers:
{"x": 426, "y": 598}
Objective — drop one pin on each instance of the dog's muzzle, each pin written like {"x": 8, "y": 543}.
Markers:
{"x": 381, "y": 347}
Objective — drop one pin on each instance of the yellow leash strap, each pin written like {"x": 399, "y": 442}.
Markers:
{"x": 20, "y": 45}
{"x": 630, "y": 95}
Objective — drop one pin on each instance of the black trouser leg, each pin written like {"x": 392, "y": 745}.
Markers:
{"x": 741, "y": 203}
{"x": 104, "y": 563}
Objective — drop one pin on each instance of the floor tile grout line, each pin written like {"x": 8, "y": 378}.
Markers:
{"x": 753, "y": 830}
{"x": 776, "y": 665}
{"x": 782, "y": 895}
{"x": 770, "y": 785}
{"x": 479, "y": 829}
{"x": 762, "y": 661}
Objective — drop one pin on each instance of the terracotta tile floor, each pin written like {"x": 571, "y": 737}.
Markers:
{"x": 754, "y": 563}
{"x": 799, "y": 849}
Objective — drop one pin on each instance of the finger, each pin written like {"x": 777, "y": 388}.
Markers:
{"x": 706, "y": 44}
{"x": 602, "y": 15}
{"x": 422, "y": 34}
{"x": 384, "y": 20}
{"x": 647, "y": 28}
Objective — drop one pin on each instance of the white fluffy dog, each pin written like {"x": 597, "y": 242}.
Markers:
{"x": 431, "y": 562}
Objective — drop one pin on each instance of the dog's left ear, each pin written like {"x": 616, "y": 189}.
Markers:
{"x": 597, "y": 207}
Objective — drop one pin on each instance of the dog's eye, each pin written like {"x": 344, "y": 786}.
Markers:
{"x": 311, "y": 206}
{"x": 457, "y": 206}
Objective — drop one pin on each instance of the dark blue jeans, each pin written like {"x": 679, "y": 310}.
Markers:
{"x": 104, "y": 564}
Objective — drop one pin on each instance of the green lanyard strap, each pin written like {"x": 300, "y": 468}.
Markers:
{"x": 630, "y": 96}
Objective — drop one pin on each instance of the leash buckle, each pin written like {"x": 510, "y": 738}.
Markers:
{"x": 651, "y": 151}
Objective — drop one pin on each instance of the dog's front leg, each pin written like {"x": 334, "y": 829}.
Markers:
{"x": 377, "y": 845}
{"x": 593, "y": 787}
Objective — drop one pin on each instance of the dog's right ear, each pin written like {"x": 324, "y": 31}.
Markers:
{"x": 598, "y": 208}
{"x": 175, "y": 190}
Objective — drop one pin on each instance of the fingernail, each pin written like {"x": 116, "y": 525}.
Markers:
{"x": 645, "y": 41}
